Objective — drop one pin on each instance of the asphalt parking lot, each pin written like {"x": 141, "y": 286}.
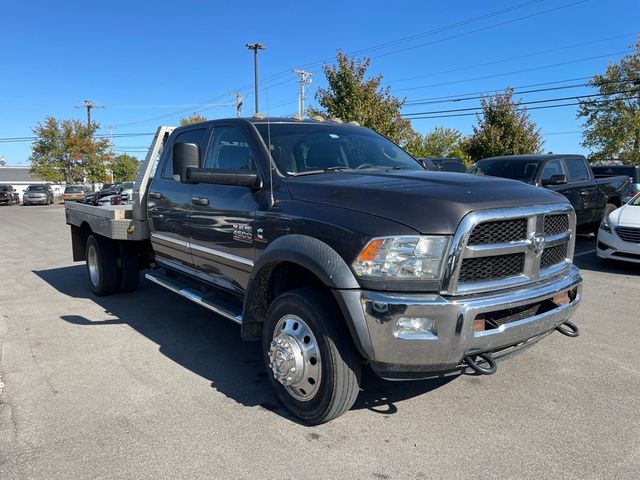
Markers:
{"x": 149, "y": 385}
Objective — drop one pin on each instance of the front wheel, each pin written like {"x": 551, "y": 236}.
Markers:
{"x": 307, "y": 348}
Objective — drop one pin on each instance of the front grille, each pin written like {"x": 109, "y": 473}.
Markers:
{"x": 629, "y": 234}
{"x": 491, "y": 268}
{"x": 555, "y": 224}
{"x": 499, "y": 232}
{"x": 553, "y": 255}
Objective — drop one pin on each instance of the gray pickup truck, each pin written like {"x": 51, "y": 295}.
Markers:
{"x": 592, "y": 198}
{"x": 338, "y": 251}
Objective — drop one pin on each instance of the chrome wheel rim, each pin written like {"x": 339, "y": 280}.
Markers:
{"x": 92, "y": 263}
{"x": 294, "y": 358}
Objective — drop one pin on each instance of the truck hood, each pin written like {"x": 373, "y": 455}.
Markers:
{"x": 429, "y": 202}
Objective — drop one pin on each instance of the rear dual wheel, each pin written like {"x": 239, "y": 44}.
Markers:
{"x": 314, "y": 367}
{"x": 111, "y": 267}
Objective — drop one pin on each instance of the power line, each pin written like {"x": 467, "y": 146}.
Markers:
{"x": 531, "y": 102}
{"x": 488, "y": 27}
{"x": 543, "y": 107}
{"x": 541, "y": 67}
{"x": 284, "y": 73}
{"x": 519, "y": 57}
{"x": 519, "y": 92}
{"x": 105, "y": 135}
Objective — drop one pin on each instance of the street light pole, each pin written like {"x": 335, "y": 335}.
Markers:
{"x": 255, "y": 47}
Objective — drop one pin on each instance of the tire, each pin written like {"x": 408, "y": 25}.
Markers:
{"x": 102, "y": 267}
{"x": 336, "y": 375}
{"x": 129, "y": 268}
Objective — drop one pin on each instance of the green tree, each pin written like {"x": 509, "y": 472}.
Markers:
{"x": 612, "y": 121}
{"x": 442, "y": 142}
{"x": 65, "y": 150}
{"x": 125, "y": 168}
{"x": 504, "y": 128}
{"x": 352, "y": 97}
{"x": 193, "y": 118}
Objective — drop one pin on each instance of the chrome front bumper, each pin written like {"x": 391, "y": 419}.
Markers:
{"x": 453, "y": 336}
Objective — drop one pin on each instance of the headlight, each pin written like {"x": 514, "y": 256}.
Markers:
{"x": 409, "y": 257}
{"x": 605, "y": 225}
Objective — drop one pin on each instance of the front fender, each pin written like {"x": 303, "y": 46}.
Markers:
{"x": 321, "y": 260}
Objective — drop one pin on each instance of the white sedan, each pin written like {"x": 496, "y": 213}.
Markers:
{"x": 619, "y": 233}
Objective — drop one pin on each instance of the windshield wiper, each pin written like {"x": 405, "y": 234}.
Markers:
{"x": 324, "y": 170}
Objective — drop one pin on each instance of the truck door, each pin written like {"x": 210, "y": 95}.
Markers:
{"x": 584, "y": 188}
{"x": 169, "y": 203}
{"x": 222, "y": 215}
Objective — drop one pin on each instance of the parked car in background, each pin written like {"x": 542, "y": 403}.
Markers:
{"x": 126, "y": 190}
{"x": 107, "y": 190}
{"x": 38, "y": 195}
{"x": 74, "y": 193}
{"x": 619, "y": 233}
{"x": 444, "y": 164}
{"x": 570, "y": 175}
{"x": 8, "y": 195}
{"x": 632, "y": 171}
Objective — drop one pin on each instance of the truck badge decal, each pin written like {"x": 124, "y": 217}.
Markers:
{"x": 537, "y": 244}
{"x": 242, "y": 233}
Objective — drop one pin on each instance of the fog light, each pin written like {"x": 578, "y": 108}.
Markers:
{"x": 415, "y": 328}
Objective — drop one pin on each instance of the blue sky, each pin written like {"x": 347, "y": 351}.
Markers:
{"x": 151, "y": 63}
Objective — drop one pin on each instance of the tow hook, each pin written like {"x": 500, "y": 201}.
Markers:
{"x": 569, "y": 329}
{"x": 488, "y": 367}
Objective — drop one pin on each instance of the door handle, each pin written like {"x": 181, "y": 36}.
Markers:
{"x": 200, "y": 201}
{"x": 156, "y": 195}
{"x": 584, "y": 194}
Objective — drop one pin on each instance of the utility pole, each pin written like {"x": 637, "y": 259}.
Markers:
{"x": 239, "y": 99}
{"x": 89, "y": 105}
{"x": 304, "y": 80}
{"x": 255, "y": 47}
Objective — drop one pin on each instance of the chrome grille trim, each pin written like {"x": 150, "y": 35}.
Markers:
{"x": 536, "y": 217}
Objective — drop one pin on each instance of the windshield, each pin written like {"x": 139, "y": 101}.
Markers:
{"x": 635, "y": 201}
{"x": 73, "y": 190}
{"x": 127, "y": 185}
{"x": 35, "y": 188}
{"x": 522, "y": 169}
{"x": 312, "y": 147}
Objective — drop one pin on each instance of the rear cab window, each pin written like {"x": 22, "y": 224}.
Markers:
{"x": 577, "y": 170}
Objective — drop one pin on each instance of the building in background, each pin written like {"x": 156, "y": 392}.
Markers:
{"x": 20, "y": 178}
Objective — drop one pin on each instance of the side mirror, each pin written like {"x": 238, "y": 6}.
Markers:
{"x": 554, "y": 180}
{"x": 225, "y": 177}
{"x": 185, "y": 156}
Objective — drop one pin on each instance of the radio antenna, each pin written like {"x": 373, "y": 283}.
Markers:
{"x": 271, "y": 162}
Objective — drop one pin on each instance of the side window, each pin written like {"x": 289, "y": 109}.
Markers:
{"x": 196, "y": 136}
{"x": 577, "y": 170}
{"x": 551, "y": 168}
{"x": 229, "y": 150}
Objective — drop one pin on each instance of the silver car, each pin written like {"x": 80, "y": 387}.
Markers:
{"x": 37, "y": 195}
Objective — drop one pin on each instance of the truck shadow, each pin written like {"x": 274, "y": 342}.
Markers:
{"x": 210, "y": 347}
